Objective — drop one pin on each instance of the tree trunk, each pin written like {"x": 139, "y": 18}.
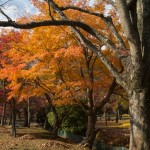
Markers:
{"x": 120, "y": 115}
{"x": 25, "y": 117}
{"x": 58, "y": 121}
{"x": 117, "y": 116}
{"x": 56, "y": 128}
{"x": 57, "y": 124}
{"x": 91, "y": 132}
{"x": 29, "y": 114}
{"x": 3, "y": 114}
{"x": 140, "y": 121}
{"x": 46, "y": 123}
{"x": 105, "y": 115}
{"x": 10, "y": 118}
{"x": 13, "y": 110}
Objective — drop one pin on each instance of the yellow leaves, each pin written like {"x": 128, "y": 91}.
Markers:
{"x": 13, "y": 89}
{"x": 61, "y": 102}
{"x": 50, "y": 60}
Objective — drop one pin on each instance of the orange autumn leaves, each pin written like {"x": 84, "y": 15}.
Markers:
{"x": 51, "y": 60}
{"x": 32, "y": 69}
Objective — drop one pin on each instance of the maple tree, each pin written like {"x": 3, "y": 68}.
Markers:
{"x": 133, "y": 52}
{"x": 63, "y": 75}
{"x": 23, "y": 69}
{"x": 6, "y": 39}
{"x": 12, "y": 66}
{"x": 87, "y": 84}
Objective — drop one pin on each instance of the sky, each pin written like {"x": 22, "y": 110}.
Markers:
{"x": 17, "y": 8}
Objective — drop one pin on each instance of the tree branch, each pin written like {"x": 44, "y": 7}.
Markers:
{"x": 8, "y": 18}
{"x": 108, "y": 64}
{"x": 131, "y": 32}
{"x": 50, "y": 13}
{"x": 101, "y": 103}
{"x": 44, "y": 87}
{"x": 107, "y": 20}
{"x": 73, "y": 25}
{"x": 121, "y": 95}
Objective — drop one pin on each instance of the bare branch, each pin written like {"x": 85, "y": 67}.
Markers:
{"x": 2, "y": 5}
{"x": 8, "y": 18}
{"x": 50, "y": 13}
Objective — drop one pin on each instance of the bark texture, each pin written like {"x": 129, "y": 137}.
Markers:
{"x": 57, "y": 119}
{"x": 13, "y": 111}
{"x": 3, "y": 114}
{"x": 91, "y": 131}
{"x": 140, "y": 121}
{"x": 29, "y": 114}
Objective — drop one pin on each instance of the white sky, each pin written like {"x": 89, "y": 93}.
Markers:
{"x": 17, "y": 8}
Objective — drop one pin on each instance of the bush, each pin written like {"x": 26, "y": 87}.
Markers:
{"x": 75, "y": 120}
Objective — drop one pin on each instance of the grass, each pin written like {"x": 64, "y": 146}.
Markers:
{"x": 37, "y": 132}
{"x": 124, "y": 123}
{"x": 31, "y": 139}
{"x": 43, "y": 140}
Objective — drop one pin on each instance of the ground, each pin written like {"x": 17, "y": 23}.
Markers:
{"x": 33, "y": 139}
{"x": 116, "y": 134}
{"x": 36, "y": 138}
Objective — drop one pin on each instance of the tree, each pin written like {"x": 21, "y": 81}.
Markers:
{"x": 64, "y": 75}
{"x": 87, "y": 84}
{"x": 6, "y": 45}
{"x": 134, "y": 54}
{"x": 3, "y": 99}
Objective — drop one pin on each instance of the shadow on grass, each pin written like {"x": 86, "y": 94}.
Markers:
{"x": 39, "y": 133}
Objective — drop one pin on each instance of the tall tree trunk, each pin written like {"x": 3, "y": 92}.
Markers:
{"x": 140, "y": 121}
{"x": 56, "y": 127}
{"x": 13, "y": 110}
{"x": 46, "y": 123}
{"x": 91, "y": 131}
{"x": 29, "y": 114}
{"x": 117, "y": 116}
{"x": 3, "y": 114}
{"x": 10, "y": 118}
{"x": 25, "y": 117}
{"x": 105, "y": 115}
{"x": 57, "y": 122}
